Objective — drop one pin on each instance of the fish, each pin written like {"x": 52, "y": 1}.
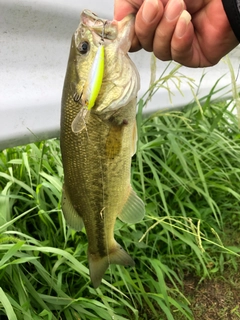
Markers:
{"x": 98, "y": 138}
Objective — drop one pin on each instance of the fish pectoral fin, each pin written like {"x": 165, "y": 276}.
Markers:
{"x": 80, "y": 121}
{"x": 98, "y": 265}
{"x": 133, "y": 210}
{"x": 72, "y": 217}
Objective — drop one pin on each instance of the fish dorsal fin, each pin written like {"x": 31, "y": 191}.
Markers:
{"x": 133, "y": 210}
{"x": 72, "y": 217}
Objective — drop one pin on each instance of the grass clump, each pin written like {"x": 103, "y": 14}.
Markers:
{"x": 187, "y": 170}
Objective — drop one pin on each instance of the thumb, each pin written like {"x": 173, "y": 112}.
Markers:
{"x": 124, "y": 7}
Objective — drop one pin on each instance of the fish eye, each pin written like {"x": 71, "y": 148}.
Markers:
{"x": 84, "y": 47}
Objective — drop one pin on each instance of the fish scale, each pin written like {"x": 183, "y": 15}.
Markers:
{"x": 97, "y": 154}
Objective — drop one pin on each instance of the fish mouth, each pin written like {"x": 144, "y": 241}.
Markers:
{"x": 104, "y": 28}
{"x": 108, "y": 29}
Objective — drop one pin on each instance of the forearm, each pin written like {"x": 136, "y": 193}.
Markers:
{"x": 232, "y": 9}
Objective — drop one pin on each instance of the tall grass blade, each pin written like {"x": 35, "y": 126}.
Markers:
{"x": 7, "y": 305}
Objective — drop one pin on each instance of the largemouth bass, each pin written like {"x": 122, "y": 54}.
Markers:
{"x": 98, "y": 140}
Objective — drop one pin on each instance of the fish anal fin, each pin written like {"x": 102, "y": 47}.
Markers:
{"x": 134, "y": 139}
{"x": 133, "y": 210}
{"x": 119, "y": 256}
{"x": 72, "y": 217}
{"x": 98, "y": 265}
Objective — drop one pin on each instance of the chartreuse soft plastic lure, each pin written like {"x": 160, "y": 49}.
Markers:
{"x": 94, "y": 81}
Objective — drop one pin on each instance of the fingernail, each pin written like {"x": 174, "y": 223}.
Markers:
{"x": 174, "y": 9}
{"x": 149, "y": 11}
{"x": 182, "y": 24}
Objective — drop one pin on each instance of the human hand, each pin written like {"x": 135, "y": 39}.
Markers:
{"x": 193, "y": 33}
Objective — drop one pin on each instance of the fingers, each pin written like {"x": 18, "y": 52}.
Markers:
{"x": 147, "y": 20}
{"x": 149, "y": 13}
{"x": 174, "y": 37}
{"x": 165, "y": 29}
{"x": 124, "y": 7}
{"x": 184, "y": 47}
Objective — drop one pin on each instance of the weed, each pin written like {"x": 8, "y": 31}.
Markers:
{"x": 186, "y": 169}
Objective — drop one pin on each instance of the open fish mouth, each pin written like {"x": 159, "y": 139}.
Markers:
{"x": 91, "y": 20}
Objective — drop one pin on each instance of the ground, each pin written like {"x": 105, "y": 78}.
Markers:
{"x": 214, "y": 299}
{"x": 217, "y": 298}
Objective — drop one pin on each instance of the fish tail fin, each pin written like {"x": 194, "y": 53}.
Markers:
{"x": 98, "y": 265}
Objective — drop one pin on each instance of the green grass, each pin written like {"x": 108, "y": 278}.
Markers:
{"x": 187, "y": 171}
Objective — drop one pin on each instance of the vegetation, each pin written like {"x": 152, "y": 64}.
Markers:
{"x": 186, "y": 169}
